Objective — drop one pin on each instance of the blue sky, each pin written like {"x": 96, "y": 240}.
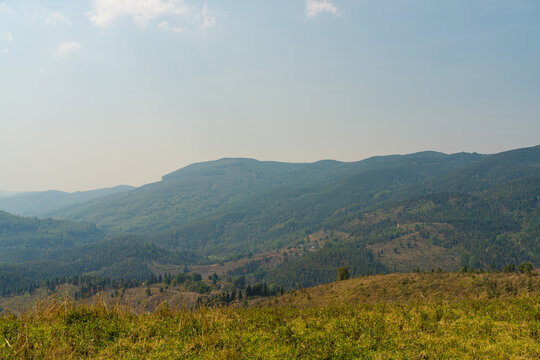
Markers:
{"x": 95, "y": 93}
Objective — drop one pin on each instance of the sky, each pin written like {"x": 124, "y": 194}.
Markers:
{"x": 97, "y": 93}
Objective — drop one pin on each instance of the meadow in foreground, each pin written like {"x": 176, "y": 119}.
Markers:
{"x": 478, "y": 326}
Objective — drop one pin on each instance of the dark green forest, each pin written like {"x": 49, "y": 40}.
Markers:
{"x": 24, "y": 238}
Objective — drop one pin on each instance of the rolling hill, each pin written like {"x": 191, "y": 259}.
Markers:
{"x": 41, "y": 203}
{"x": 24, "y": 238}
{"x": 232, "y": 186}
{"x": 288, "y": 215}
{"x": 118, "y": 258}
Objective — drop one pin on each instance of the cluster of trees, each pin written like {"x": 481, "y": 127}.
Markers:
{"x": 343, "y": 273}
{"x": 122, "y": 257}
{"x": 319, "y": 267}
{"x": 262, "y": 289}
{"x": 524, "y": 268}
{"x": 177, "y": 279}
{"x": 14, "y": 284}
{"x": 91, "y": 285}
{"x": 225, "y": 298}
{"x": 190, "y": 282}
{"x": 259, "y": 289}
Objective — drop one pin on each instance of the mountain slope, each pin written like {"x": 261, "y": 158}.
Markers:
{"x": 205, "y": 190}
{"x": 231, "y": 207}
{"x": 493, "y": 228}
{"x": 279, "y": 218}
{"x": 491, "y": 171}
{"x": 410, "y": 288}
{"x": 119, "y": 258}
{"x": 23, "y": 238}
{"x": 415, "y": 229}
{"x": 43, "y": 202}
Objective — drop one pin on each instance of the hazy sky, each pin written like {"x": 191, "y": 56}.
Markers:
{"x": 95, "y": 93}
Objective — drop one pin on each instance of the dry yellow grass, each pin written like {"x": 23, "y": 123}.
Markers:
{"x": 458, "y": 317}
{"x": 448, "y": 287}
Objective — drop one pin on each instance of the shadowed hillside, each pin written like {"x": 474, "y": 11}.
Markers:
{"x": 23, "y": 238}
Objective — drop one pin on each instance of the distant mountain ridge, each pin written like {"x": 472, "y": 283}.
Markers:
{"x": 41, "y": 203}
{"x": 493, "y": 170}
{"x": 200, "y": 190}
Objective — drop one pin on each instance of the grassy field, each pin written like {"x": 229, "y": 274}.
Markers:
{"x": 444, "y": 323}
{"x": 428, "y": 287}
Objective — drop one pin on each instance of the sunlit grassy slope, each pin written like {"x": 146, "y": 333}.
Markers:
{"x": 430, "y": 287}
{"x": 418, "y": 316}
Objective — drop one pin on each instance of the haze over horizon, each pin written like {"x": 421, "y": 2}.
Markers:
{"x": 100, "y": 93}
{"x": 12, "y": 192}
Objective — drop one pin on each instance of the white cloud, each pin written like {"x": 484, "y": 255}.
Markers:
{"x": 206, "y": 20}
{"x": 317, "y": 7}
{"x": 160, "y": 12}
{"x": 6, "y": 37}
{"x": 6, "y": 51}
{"x": 105, "y": 12}
{"x": 3, "y": 8}
{"x": 66, "y": 48}
{"x": 164, "y": 25}
{"x": 57, "y": 18}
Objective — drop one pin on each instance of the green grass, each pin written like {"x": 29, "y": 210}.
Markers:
{"x": 474, "y": 327}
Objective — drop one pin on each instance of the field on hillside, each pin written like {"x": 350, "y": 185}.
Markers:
{"x": 465, "y": 316}
{"x": 432, "y": 287}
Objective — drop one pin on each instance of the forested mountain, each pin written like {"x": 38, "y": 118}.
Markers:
{"x": 488, "y": 230}
{"x": 393, "y": 213}
{"x": 229, "y": 186}
{"x": 493, "y": 222}
{"x": 33, "y": 250}
{"x": 23, "y": 238}
{"x": 123, "y": 257}
{"x": 41, "y": 203}
{"x": 277, "y": 218}
{"x": 493, "y": 170}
